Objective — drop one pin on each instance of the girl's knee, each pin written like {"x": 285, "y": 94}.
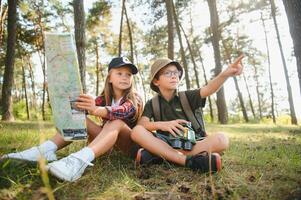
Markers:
{"x": 223, "y": 140}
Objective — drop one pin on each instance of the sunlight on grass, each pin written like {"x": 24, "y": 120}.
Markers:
{"x": 262, "y": 162}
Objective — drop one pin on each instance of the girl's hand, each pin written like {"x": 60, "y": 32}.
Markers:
{"x": 235, "y": 68}
{"x": 174, "y": 127}
{"x": 86, "y": 102}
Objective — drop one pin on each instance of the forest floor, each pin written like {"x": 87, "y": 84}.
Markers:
{"x": 263, "y": 162}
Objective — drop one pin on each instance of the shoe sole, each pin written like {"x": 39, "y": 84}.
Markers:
{"x": 57, "y": 173}
{"x": 138, "y": 157}
{"x": 218, "y": 160}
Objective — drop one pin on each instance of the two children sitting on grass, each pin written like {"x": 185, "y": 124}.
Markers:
{"x": 153, "y": 135}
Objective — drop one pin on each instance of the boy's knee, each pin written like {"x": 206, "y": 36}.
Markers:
{"x": 136, "y": 132}
{"x": 223, "y": 140}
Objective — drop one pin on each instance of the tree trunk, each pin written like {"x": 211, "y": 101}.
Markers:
{"x": 269, "y": 67}
{"x": 288, "y": 85}
{"x": 80, "y": 38}
{"x": 25, "y": 90}
{"x": 120, "y": 30}
{"x": 7, "y": 114}
{"x": 293, "y": 12}
{"x": 3, "y": 15}
{"x": 206, "y": 82}
{"x": 31, "y": 74}
{"x": 214, "y": 23}
{"x": 130, "y": 34}
{"x": 97, "y": 69}
{"x": 249, "y": 95}
{"x": 170, "y": 27}
{"x": 192, "y": 59}
{"x": 257, "y": 89}
{"x": 177, "y": 24}
{"x": 241, "y": 100}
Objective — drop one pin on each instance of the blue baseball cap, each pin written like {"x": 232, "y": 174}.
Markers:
{"x": 120, "y": 62}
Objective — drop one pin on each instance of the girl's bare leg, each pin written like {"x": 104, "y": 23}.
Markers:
{"x": 112, "y": 132}
{"x": 92, "y": 128}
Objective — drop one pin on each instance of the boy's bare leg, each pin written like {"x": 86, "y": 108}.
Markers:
{"x": 108, "y": 136}
{"x": 213, "y": 143}
{"x": 156, "y": 146}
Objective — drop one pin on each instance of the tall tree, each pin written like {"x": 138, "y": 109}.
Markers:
{"x": 170, "y": 28}
{"x": 288, "y": 85}
{"x": 269, "y": 67}
{"x": 239, "y": 94}
{"x": 293, "y": 12}
{"x": 182, "y": 52}
{"x": 7, "y": 114}
{"x": 3, "y": 14}
{"x": 195, "y": 68}
{"x": 120, "y": 30}
{"x": 25, "y": 89}
{"x": 80, "y": 38}
{"x": 206, "y": 82}
{"x": 214, "y": 24}
{"x": 130, "y": 34}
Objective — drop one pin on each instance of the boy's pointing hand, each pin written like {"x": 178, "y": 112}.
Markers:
{"x": 235, "y": 68}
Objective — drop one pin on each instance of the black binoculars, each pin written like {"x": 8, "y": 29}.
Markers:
{"x": 186, "y": 141}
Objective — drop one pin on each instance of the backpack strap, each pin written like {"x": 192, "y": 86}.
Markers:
{"x": 188, "y": 111}
{"x": 156, "y": 108}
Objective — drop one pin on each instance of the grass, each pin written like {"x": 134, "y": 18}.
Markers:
{"x": 263, "y": 162}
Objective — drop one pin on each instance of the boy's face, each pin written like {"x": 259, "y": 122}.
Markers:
{"x": 168, "y": 78}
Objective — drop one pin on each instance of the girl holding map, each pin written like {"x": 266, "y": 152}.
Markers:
{"x": 118, "y": 106}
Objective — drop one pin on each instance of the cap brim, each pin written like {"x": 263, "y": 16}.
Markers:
{"x": 132, "y": 66}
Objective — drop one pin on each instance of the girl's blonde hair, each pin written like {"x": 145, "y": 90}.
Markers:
{"x": 129, "y": 94}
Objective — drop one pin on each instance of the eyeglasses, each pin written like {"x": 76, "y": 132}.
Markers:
{"x": 172, "y": 73}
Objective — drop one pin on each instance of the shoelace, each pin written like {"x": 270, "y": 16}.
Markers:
{"x": 87, "y": 163}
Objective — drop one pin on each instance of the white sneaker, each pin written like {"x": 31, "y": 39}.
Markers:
{"x": 33, "y": 154}
{"x": 69, "y": 168}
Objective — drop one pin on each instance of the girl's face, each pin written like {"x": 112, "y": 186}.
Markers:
{"x": 168, "y": 78}
{"x": 121, "y": 78}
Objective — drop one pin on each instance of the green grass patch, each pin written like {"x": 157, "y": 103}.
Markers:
{"x": 263, "y": 162}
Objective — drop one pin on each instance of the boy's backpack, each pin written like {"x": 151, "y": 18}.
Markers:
{"x": 196, "y": 117}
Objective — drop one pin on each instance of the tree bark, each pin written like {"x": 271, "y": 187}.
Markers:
{"x": 249, "y": 95}
{"x": 288, "y": 85}
{"x": 241, "y": 100}
{"x": 269, "y": 69}
{"x": 31, "y": 74}
{"x": 182, "y": 52}
{"x": 25, "y": 90}
{"x": 80, "y": 38}
{"x": 192, "y": 58}
{"x": 7, "y": 114}
{"x": 170, "y": 28}
{"x": 120, "y": 30}
{"x": 293, "y": 12}
{"x": 214, "y": 23}
{"x": 3, "y": 15}
{"x": 130, "y": 34}
{"x": 206, "y": 82}
{"x": 97, "y": 69}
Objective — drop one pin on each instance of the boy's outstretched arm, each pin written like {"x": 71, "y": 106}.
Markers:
{"x": 173, "y": 127}
{"x": 213, "y": 85}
